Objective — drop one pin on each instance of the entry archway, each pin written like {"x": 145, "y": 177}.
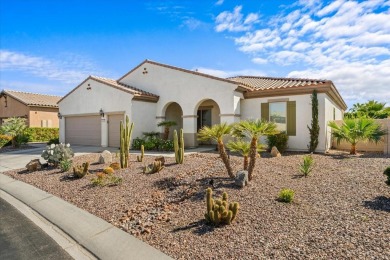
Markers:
{"x": 208, "y": 113}
{"x": 174, "y": 112}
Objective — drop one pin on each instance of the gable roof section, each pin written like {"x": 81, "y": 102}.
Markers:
{"x": 137, "y": 93}
{"x": 240, "y": 87}
{"x": 270, "y": 86}
{"x": 32, "y": 99}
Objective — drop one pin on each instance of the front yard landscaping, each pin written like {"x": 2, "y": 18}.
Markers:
{"x": 341, "y": 210}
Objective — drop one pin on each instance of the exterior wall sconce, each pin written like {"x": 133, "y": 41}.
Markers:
{"x": 59, "y": 115}
{"x": 101, "y": 113}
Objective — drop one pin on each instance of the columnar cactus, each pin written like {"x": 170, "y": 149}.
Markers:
{"x": 125, "y": 135}
{"x": 220, "y": 211}
{"x": 141, "y": 158}
{"x": 178, "y": 146}
{"x": 154, "y": 167}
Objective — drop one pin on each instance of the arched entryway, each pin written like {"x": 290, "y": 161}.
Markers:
{"x": 174, "y": 112}
{"x": 208, "y": 113}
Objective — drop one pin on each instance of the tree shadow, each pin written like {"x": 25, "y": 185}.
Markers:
{"x": 199, "y": 228}
{"x": 381, "y": 203}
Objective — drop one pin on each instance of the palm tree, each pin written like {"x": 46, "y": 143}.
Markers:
{"x": 254, "y": 129}
{"x": 356, "y": 130}
{"x": 243, "y": 148}
{"x": 167, "y": 125}
{"x": 371, "y": 109}
{"x": 216, "y": 133}
{"x": 13, "y": 127}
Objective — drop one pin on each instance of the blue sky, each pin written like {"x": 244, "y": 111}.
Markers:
{"x": 51, "y": 46}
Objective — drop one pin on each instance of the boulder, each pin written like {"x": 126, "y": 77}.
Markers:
{"x": 275, "y": 152}
{"x": 241, "y": 179}
{"x": 34, "y": 165}
{"x": 161, "y": 159}
{"x": 105, "y": 157}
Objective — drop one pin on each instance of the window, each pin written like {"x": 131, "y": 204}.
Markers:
{"x": 204, "y": 118}
{"x": 278, "y": 114}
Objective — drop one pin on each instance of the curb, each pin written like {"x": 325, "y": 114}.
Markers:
{"x": 99, "y": 237}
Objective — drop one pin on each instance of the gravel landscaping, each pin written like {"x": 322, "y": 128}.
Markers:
{"x": 341, "y": 211}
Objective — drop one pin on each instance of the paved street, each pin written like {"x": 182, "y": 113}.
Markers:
{"x": 22, "y": 239}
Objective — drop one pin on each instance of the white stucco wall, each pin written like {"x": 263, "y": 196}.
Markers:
{"x": 329, "y": 105}
{"x": 144, "y": 117}
{"x": 89, "y": 102}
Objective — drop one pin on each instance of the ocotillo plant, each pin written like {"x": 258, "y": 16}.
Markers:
{"x": 125, "y": 134}
{"x": 178, "y": 146}
{"x": 141, "y": 158}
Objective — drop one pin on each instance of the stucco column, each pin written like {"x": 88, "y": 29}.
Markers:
{"x": 104, "y": 132}
{"x": 189, "y": 130}
{"x": 61, "y": 123}
{"x": 230, "y": 118}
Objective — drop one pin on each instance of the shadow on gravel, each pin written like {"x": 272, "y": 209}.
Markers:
{"x": 199, "y": 227}
{"x": 379, "y": 203}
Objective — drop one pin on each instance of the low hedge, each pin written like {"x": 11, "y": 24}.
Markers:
{"x": 41, "y": 134}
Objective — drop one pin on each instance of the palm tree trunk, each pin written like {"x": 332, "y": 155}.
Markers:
{"x": 246, "y": 162}
{"x": 353, "y": 149}
{"x": 225, "y": 159}
{"x": 166, "y": 133}
{"x": 252, "y": 156}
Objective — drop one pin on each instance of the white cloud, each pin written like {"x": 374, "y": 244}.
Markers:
{"x": 192, "y": 23}
{"x": 234, "y": 21}
{"x": 219, "y": 2}
{"x": 345, "y": 41}
{"x": 68, "y": 68}
{"x": 226, "y": 74}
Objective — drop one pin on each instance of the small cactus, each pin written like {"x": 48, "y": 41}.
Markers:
{"x": 108, "y": 170}
{"x": 218, "y": 211}
{"x": 80, "y": 171}
{"x": 115, "y": 166}
{"x": 141, "y": 158}
{"x": 178, "y": 146}
{"x": 156, "y": 166}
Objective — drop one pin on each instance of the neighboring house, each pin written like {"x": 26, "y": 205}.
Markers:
{"x": 39, "y": 110}
{"x": 153, "y": 92}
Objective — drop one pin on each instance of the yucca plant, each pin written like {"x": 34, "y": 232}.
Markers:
{"x": 217, "y": 133}
{"x": 306, "y": 166}
{"x": 254, "y": 129}
{"x": 357, "y": 130}
{"x": 243, "y": 148}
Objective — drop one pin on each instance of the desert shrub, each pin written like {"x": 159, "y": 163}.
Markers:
{"x": 103, "y": 179}
{"x": 115, "y": 166}
{"x": 55, "y": 153}
{"x": 54, "y": 141}
{"x": 166, "y": 145}
{"x": 307, "y": 165}
{"x": 137, "y": 142}
{"x": 279, "y": 140}
{"x": 387, "y": 173}
{"x": 13, "y": 127}
{"x": 286, "y": 195}
{"x": 5, "y": 140}
{"x": 65, "y": 165}
{"x": 21, "y": 139}
{"x": 152, "y": 142}
{"x": 108, "y": 170}
{"x": 41, "y": 134}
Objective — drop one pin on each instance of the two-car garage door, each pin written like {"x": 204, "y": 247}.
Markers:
{"x": 83, "y": 130}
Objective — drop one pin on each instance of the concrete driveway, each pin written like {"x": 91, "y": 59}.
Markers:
{"x": 19, "y": 159}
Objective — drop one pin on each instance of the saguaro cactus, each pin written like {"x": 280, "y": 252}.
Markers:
{"x": 140, "y": 158}
{"x": 178, "y": 146}
{"x": 125, "y": 135}
{"x": 220, "y": 211}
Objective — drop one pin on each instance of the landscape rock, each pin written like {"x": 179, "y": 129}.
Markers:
{"x": 241, "y": 179}
{"x": 275, "y": 152}
{"x": 34, "y": 165}
{"x": 105, "y": 157}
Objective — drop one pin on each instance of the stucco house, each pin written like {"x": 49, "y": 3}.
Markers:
{"x": 39, "y": 110}
{"x": 153, "y": 92}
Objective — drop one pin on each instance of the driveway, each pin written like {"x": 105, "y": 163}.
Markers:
{"x": 19, "y": 159}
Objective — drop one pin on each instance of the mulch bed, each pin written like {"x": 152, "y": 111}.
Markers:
{"x": 341, "y": 211}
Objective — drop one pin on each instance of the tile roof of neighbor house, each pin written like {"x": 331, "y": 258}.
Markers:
{"x": 33, "y": 99}
{"x": 138, "y": 93}
{"x": 259, "y": 83}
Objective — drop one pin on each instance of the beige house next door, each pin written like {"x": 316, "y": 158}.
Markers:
{"x": 114, "y": 129}
{"x": 83, "y": 130}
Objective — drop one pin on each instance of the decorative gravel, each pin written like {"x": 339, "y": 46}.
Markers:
{"x": 341, "y": 211}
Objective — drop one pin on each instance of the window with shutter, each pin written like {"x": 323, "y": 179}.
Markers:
{"x": 282, "y": 113}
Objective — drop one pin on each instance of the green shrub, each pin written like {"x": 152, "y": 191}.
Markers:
{"x": 13, "y": 127}
{"x": 137, "y": 142}
{"x": 55, "y": 153}
{"x": 5, "y": 140}
{"x": 279, "y": 140}
{"x": 152, "y": 143}
{"x": 307, "y": 165}
{"x": 286, "y": 195}
{"x": 41, "y": 134}
{"x": 54, "y": 141}
{"x": 21, "y": 139}
{"x": 65, "y": 165}
{"x": 166, "y": 145}
{"x": 387, "y": 173}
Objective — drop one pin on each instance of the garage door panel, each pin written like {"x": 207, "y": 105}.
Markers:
{"x": 114, "y": 130}
{"x": 83, "y": 130}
